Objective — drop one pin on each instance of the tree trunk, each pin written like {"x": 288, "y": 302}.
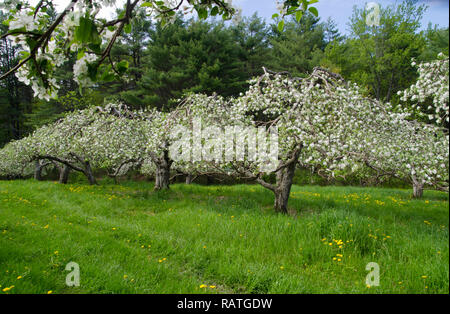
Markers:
{"x": 417, "y": 187}
{"x": 162, "y": 177}
{"x": 282, "y": 191}
{"x": 417, "y": 190}
{"x": 64, "y": 174}
{"x": 162, "y": 180}
{"x": 189, "y": 179}
{"x": 89, "y": 174}
{"x": 37, "y": 170}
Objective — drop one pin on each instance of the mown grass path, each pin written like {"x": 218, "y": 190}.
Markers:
{"x": 220, "y": 239}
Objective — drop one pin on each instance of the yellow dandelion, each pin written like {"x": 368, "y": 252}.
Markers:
{"x": 7, "y": 289}
{"x": 49, "y": 292}
{"x": 203, "y": 286}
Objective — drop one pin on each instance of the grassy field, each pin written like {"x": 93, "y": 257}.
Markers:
{"x": 220, "y": 239}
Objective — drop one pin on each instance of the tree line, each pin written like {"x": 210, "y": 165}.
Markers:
{"x": 164, "y": 62}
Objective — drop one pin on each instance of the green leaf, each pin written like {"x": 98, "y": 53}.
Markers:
{"x": 127, "y": 29}
{"x": 281, "y": 26}
{"x": 122, "y": 66}
{"x": 275, "y": 15}
{"x": 314, "y": 11}
{"x": 87, "y": 32}
{"x": 31, "y": 43}
{"x": 202, "y": 13}
{"x": 298, "y": 15}
{"x": 215, "y": 11}
{"x": 92, "y": 71}
{"x": 80, "y": 54}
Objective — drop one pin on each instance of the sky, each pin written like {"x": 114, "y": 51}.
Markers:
{"x": 339, "y": 10}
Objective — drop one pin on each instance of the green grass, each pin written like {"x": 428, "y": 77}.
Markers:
{"x": 128, "y": 239}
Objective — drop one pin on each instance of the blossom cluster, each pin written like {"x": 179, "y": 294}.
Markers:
{"x": 433, "y": 85}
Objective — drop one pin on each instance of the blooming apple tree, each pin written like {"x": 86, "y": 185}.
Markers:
{"x": 110, "y": 138}
{"x": 322, "y": 122}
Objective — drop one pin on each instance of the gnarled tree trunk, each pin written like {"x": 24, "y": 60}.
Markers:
{"x": 285, "y": 177}
{"x": 64, "y": 174}
{"x": 38, "y": 170}
{"x": 418, "y": 187}
{"x": 417, "y": 190}
{"x": 89, "y": 174}
{"x": 162, "y": 180}
{"x": 189, "y": 179}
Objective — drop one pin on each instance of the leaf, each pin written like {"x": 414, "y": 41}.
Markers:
{"x": 275, "y": 15}
{"x": 127, "y": 29}
{"x": 202, "y": 13}
{"x": 122, "y": 66}
{"x": 281, "y": 26}
{"x": 87, "y": 32}
{"x": 298, "y": 15}
{"x": 314, "y": 11}
{"x": 80, "y": 54}
{"x": 215, "y": 11}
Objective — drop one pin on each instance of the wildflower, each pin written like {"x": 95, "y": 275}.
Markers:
{"x": 212, "y": 287}
{"x": 281, "y": 267}
{"x": 49, "y": 292}
{"x": 46, "y": 227}
{"x": 203, "y": 286}
{"x": 424, "y": 277}
{"x": 7, "y": 289}
{"x": 19, "y": 277}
